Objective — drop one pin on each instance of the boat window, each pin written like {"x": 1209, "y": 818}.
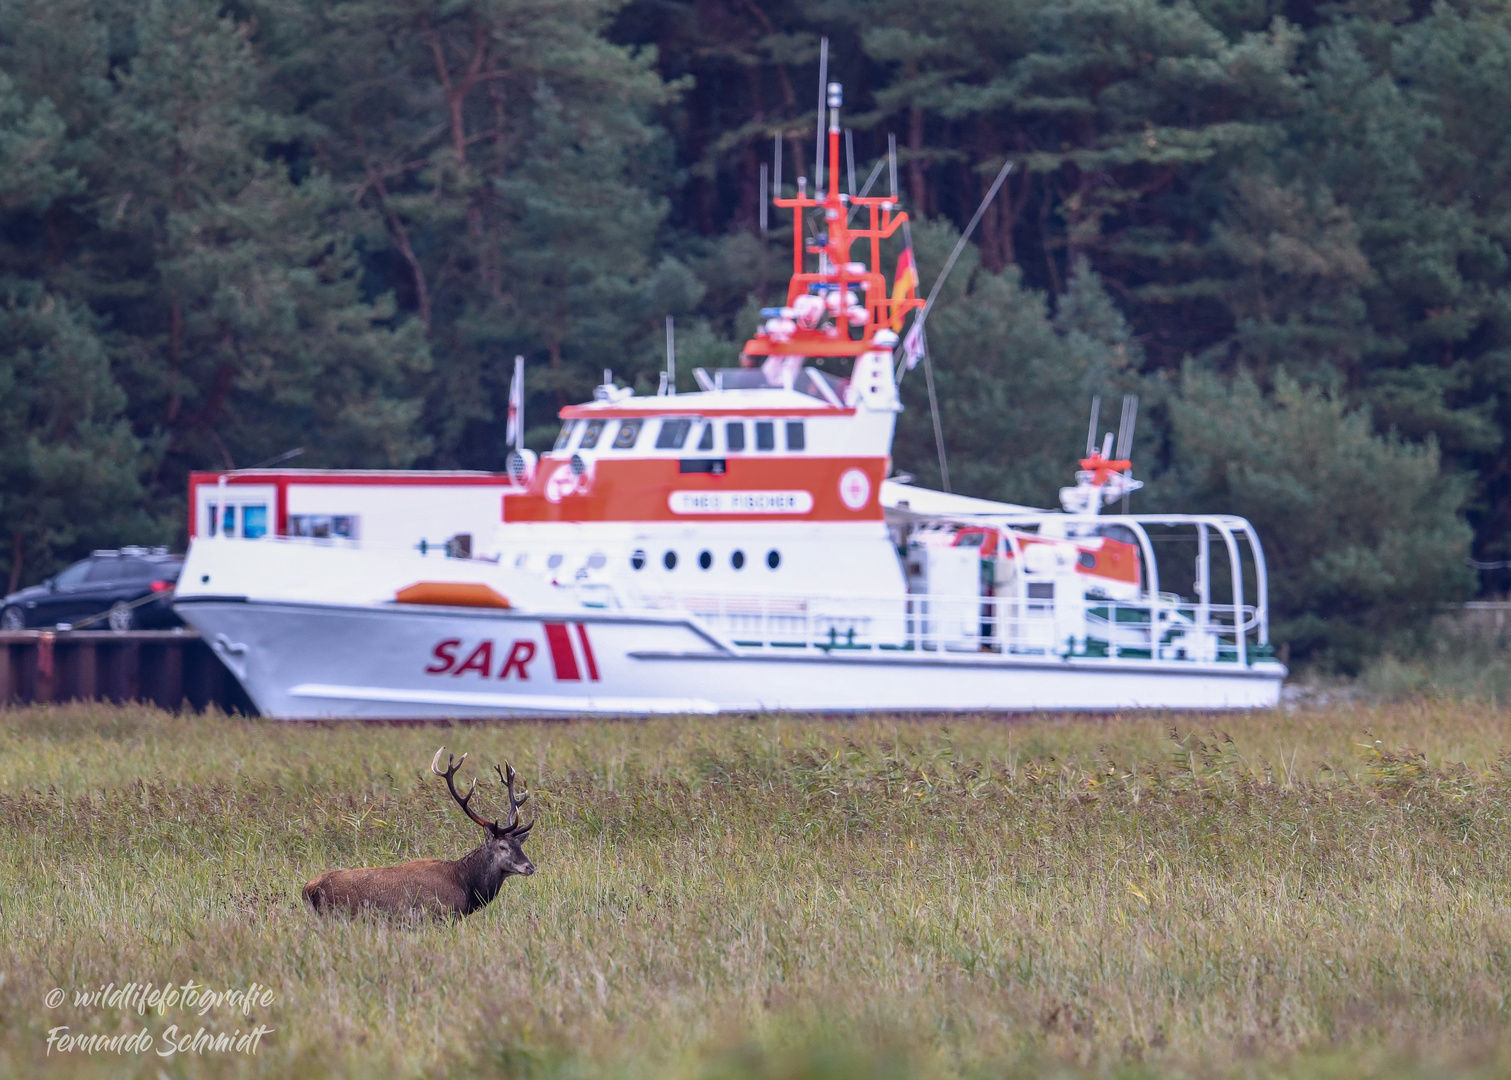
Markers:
{"x": 566, "y": 434}
{"x": 590, "y": 435}
{"x": 765, "y": 435}
{"x": 629, "y": 431}
{"x": 1116, "y": 532}
{"x": 673, "y": 434}
{"x": 254, "y": 522}
{"x": 737, "y": 560}
{"x": 637, "y": 559}
{"x": 796, "y": 439}
{"x": 323, "y": 526}
{"x": 705, "y": 559}
{"x": 773, "y": 558}
{"x": 554, "y": 561}
{"x": 734, "y": 435}
{"x": 669, "y": 560}
{"x": 707, "y": 441}
{"x": 716, "y": 466}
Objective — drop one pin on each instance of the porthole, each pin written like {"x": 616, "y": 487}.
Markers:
{"x": 554, "y": 561}
{"x": 669, "y": 560}
{"x": 1087, "y": 560}
{"x": 637, "y": 559}
{"x": 629, "y": 431}
{"x": 737, "y": 560}
{"x": 705, "y": 559}
{"x": 773, "y": 558}
{"x": 597, "y": 560}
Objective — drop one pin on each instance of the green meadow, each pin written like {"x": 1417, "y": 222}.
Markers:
{"x": 1321, "y": 892}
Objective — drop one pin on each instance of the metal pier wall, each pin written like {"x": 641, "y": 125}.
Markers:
{"x": 172, "y": 669}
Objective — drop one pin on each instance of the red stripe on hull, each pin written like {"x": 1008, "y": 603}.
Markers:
{"x": 561, "y": 652}
{"x": 587, "y": 652}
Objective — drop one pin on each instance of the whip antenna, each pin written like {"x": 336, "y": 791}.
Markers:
{"x": 671, "y": 356}
{"x": 850, "y": 157}
{"x": 823, "y": 88}
{"x": 776, "y": 166}
{"x": 1125, "y": 425}
{"x": 1091, "y": 429}
{"x": 1125, "y": 440}
{"x": 764, "y": 182}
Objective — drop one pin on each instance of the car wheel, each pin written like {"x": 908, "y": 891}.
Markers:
{"x": 12, "y": 618}
{"x": 121, "y": 617}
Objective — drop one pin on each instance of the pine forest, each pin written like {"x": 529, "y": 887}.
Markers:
{"x": 231, "y": 229}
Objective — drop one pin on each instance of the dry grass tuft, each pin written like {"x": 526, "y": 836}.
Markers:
{"x": 1317, "y": 893}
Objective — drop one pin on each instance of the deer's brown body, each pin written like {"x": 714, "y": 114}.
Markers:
{"x": 434, "y": 887}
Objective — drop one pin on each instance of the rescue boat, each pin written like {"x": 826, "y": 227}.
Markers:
{"x": 745, "y": 548}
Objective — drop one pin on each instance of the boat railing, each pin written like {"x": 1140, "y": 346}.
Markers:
{"x": 1163, "y": 628}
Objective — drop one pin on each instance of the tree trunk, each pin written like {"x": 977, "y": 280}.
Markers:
{"x": 553, "y": 347}
{"x": 401, "y": 238}
{"x": 17, "y": 552}
{"x": 915, "y": 148}
{"x": 175, "y": 345}
{"x": 915, "y": 164}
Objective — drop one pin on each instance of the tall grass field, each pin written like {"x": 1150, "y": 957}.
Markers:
{"x": 1321, "y": 892}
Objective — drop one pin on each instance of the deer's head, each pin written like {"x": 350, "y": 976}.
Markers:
{"x": 503, "y": 843}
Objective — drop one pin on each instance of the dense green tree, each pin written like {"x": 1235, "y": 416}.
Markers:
{"x": 69, "y": 464}
{"x": 178, "y": 246}
{"x": 241, "y": 332}
{"x": 1361, "y": 531}
{"x": 499, "y": 166}
{"x": 70, "y": 467}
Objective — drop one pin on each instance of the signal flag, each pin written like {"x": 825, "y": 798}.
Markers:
{"x": 913, "y": 345}
{"x": 512, "y": 429}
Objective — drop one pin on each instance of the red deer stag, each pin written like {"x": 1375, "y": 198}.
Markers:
{"x": 435, "y": 886}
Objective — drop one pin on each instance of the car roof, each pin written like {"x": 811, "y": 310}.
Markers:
{"x": 157, "y": 553}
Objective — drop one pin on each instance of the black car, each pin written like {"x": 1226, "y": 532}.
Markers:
{"x": 129, "y": 589}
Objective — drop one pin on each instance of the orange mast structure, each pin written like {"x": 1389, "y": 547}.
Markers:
{"x": 837, "y": 309}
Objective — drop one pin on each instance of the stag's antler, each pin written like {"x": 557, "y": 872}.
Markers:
{"x": 451, "y": 768}
{"x": 514, "y": 804}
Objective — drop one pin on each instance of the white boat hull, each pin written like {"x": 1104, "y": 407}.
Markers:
{"x": 385, "y": 661}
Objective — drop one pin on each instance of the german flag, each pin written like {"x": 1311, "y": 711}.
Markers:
{"x": 904, "y": 285}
